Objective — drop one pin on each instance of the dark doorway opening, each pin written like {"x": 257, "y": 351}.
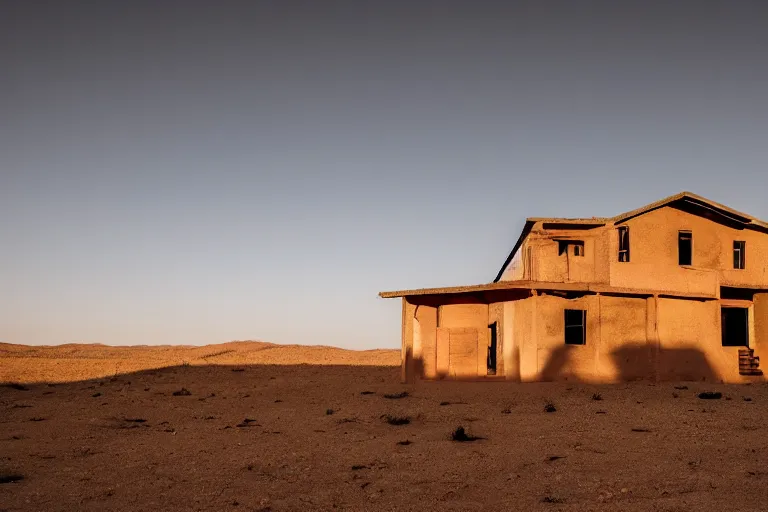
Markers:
{"x": 492, "y": 350}
{"x": 735, "y": 327}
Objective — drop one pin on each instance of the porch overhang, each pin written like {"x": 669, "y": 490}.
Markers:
{"x": 542, "y": 286}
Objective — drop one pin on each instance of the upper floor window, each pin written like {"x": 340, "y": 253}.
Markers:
{"x": 685, "y": 248}
{"x": 739, "y": 255}
{"x": 563, "y": 245}
{"x": 623, "y": 243}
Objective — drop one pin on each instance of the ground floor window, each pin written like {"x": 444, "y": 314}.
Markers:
{"x": 575, "y": 327}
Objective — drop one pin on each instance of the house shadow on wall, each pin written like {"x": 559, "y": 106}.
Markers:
{"x": 631, "y": 361}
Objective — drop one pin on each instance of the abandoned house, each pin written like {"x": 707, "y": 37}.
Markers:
{"x": 676, "y": 290}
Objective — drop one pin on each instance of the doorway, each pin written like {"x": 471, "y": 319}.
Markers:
{"x": 492, "y": 349}
{"x": 735, "y": 327}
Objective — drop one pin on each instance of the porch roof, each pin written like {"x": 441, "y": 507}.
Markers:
{"x": 544, "y": 286}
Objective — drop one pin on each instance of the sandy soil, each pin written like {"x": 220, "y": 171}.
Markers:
{"x": 257, "y": 436}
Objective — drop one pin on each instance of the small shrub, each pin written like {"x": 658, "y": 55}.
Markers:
{"x": 367, "y": 392}
{"x": 395, "y": 396}
{"x": 328, "y": 412}
{"x": 681, "y": 387}
{"x": 247, "y": 422}
{"x": 506, "y": 411}
{"x": 96, "y": 395}
{"x": 597, "y": 396}
{"x": 182, "y": 392}
{"x": 549, "y": 407}
{"x": 710, "y": 395}
{"x": 404, "y": 443}
{"x": 17, "y": 386}
{"x": 396, "y": 420}
{"x": 358, "y": 467}
{"x": 461, "y": 436}
{"x": 551, "y": 499}
{"x": 747, "y": 399}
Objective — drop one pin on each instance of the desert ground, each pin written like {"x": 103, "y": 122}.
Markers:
{"x": 253, "y": 426}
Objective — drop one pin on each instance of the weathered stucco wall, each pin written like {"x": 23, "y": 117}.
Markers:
{"x": 426, "y": 351}
{"x": 654, "y": 254}
{"x": 760, "y": 322}
{"x": 690, "y": 345}
{"x": 625, "y": 350}
{"x": 550, "y": 265}
{"x": 556, "y": 360}
{"x": 627, "y": 338}
{"x": 616, "y": 346}
{"x": 525, "y": 356}
{"x": 496, "y": 314}
{"x": 653, "y": 261}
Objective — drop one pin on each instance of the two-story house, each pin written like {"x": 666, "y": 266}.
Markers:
{"x": 676, "y": 290}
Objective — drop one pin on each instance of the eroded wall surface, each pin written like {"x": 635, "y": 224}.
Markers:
{"x": 654, "y": 264}
{"x": 760, "y": 323}
{"x": 654, "y": 261}
{"x": 627, "y": 338}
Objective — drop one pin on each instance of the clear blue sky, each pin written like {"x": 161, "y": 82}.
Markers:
{"x": 199, "y": 172}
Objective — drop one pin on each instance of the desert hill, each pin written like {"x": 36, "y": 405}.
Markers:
{"x": 69, "y": 362}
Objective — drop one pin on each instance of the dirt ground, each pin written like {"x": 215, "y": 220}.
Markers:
{"x": 244, "y": 434}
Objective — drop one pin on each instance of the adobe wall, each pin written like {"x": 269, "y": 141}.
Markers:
{"x": 520, "y": 340}
{"x": 626, "y": 347}
{"x": 496, "y": 314}
{"x": 628, "y": 338}
{"x": 465, "y": 327}
{"x": 425, "y": 330}
{"x": 654, "y": 254}
{"x": 690, "y": 343}
{"x": 549, "y": 265}
{"x": 760, "y": 328}
{"x": 616, "y": 347}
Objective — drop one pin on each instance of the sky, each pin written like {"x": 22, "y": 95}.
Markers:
{"x": 201, "y": 172}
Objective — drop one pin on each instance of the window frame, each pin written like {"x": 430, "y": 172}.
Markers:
{"x": 623, "y": 254}
{"x": 581, "y": 326}
{"x": 681, "y": 234}
{"x": 739, "y": 254}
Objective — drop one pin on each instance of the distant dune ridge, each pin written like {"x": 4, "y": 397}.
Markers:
{"x": 69, "y": 362}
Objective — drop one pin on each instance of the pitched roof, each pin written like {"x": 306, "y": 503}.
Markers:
{"x": 698, "y": 204}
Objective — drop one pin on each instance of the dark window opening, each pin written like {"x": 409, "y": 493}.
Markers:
{"x": 739, "y": 255}
{"x": 735, "y": 327}
{"x": 578, "y": 247}
{"x": 492, "y": 350}
{"x": 685, "y": 248}
{"x": 528, "y": 270}
{"x": 623, "y": 244}
{"x": 728, "y": 292}
{"x": 575, "y": 327}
